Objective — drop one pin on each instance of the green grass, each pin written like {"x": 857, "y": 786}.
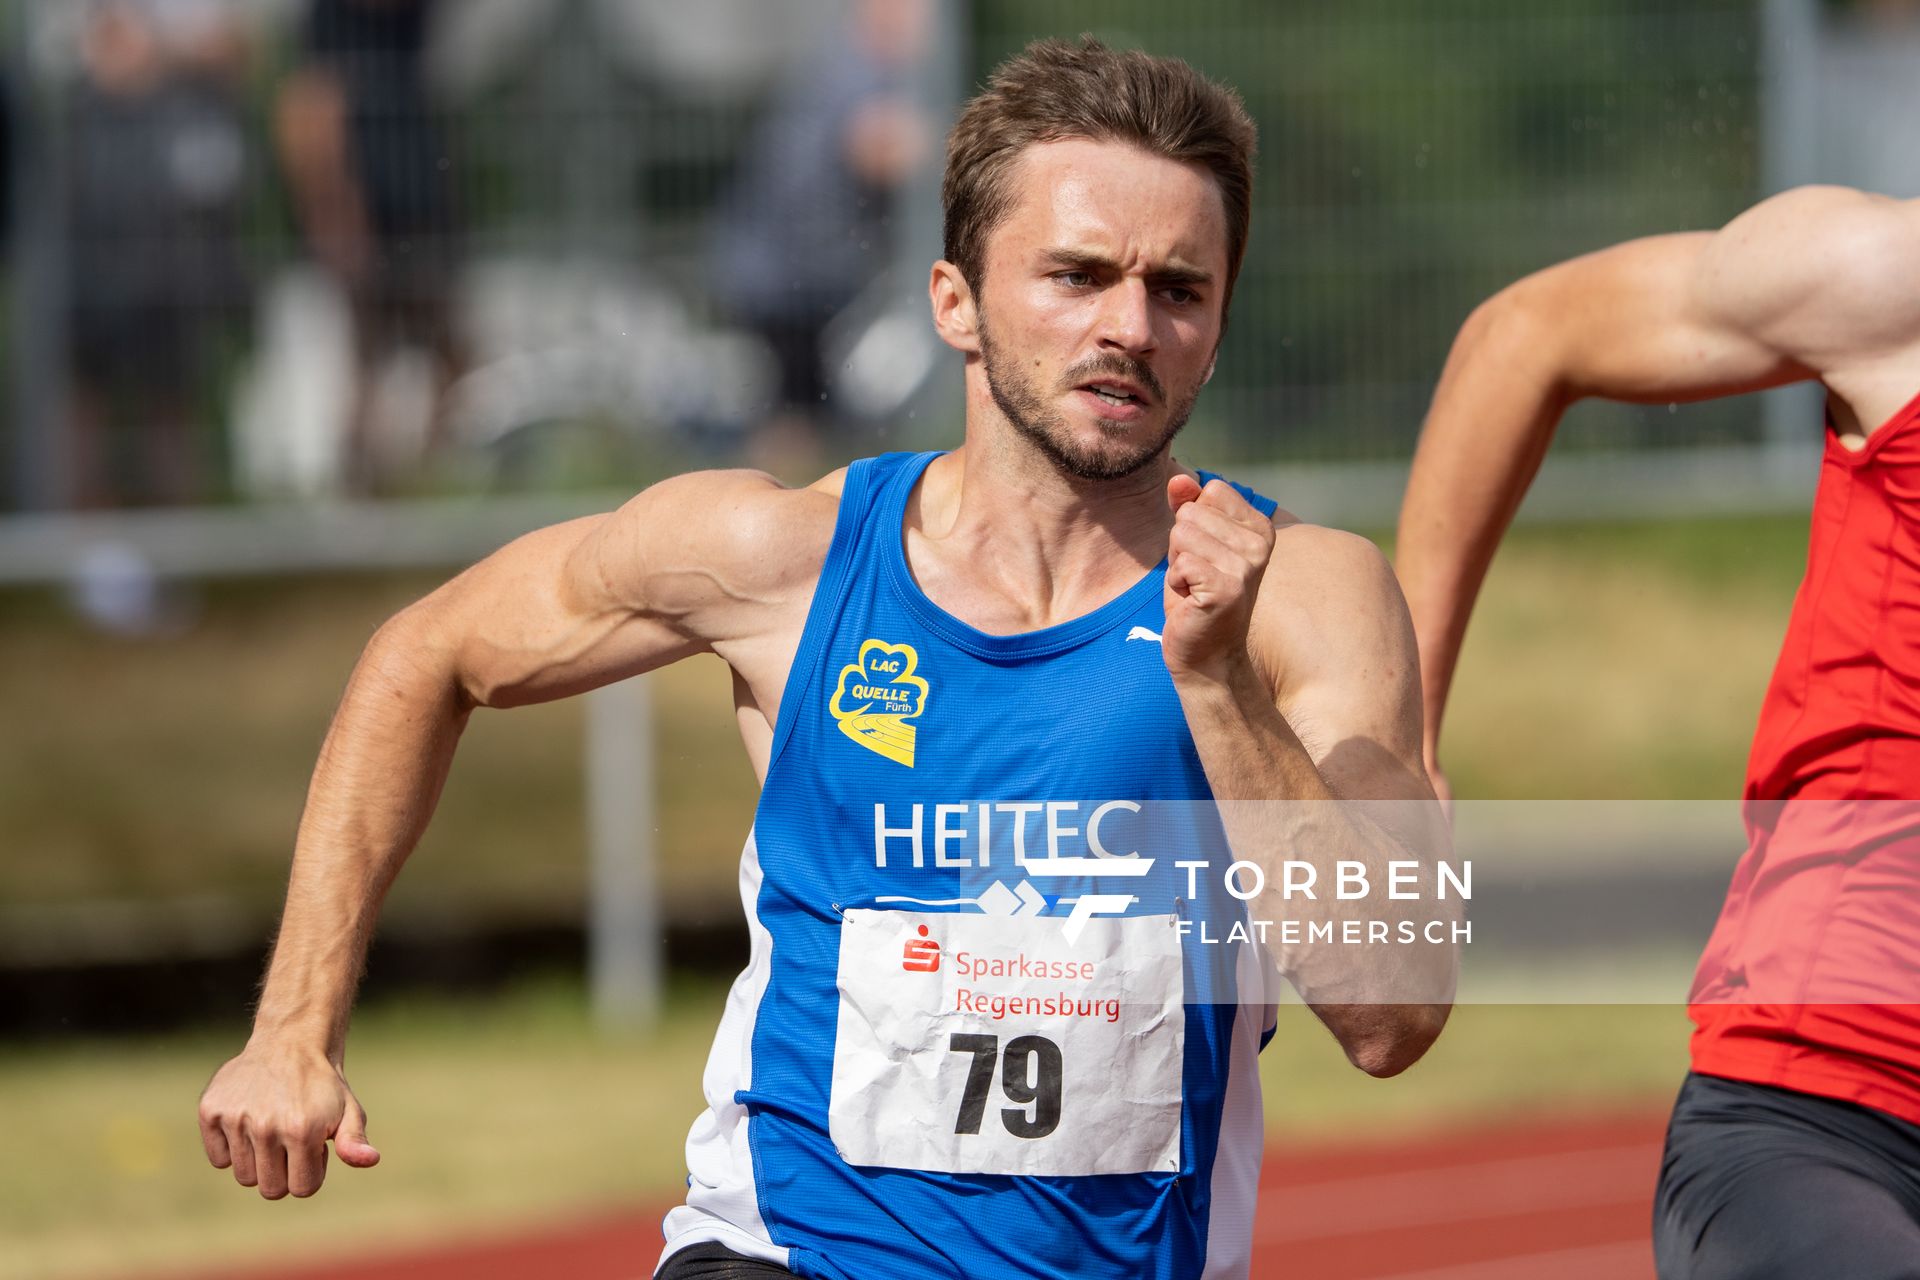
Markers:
{"x": 501, "y": 1114}
{"x": 1621, "y": 662}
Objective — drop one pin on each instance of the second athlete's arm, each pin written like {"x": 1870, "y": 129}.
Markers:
{"x": 1677, "y": 317}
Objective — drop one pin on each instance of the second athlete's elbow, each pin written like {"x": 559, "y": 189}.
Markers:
{"x": 410, "y": 656}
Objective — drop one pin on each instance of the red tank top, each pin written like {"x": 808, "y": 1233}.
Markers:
{"x": 1811, "y": 980}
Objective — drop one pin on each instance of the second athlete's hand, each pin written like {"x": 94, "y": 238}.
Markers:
{"x": 1216, "y": 555}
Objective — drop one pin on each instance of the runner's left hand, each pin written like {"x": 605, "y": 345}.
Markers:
{"x": 1215, "y": 558}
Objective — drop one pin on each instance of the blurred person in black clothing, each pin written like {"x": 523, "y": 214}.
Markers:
{"x": 372, "y": 181}
{"x": 807, "y": 224}
{"x": 157, "y": 159}
{"x": 7, "y": 160}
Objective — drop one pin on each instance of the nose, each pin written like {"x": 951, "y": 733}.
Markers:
{"x": 1126, "y": 317}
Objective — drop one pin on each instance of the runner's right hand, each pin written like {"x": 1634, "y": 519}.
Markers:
{"x": 268, "y": 1114}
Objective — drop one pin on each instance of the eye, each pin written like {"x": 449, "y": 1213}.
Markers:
{"x": 1075, "y": 279}
{"x": 1180, "y": 295}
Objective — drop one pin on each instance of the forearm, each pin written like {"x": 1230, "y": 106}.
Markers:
{"x": 1385, "y": 1002}
{"x": 379, "y": 775}
{"x": 1492, "y": 419}
{"x": 1247, "y": 748}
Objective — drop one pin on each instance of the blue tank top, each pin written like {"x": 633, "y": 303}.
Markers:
{"x": 980, "y": 1033}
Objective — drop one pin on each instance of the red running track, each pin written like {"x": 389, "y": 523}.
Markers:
{"x": 1570, "y": 1199}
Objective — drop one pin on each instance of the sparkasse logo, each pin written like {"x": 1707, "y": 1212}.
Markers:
{"x": 921, "y": 954}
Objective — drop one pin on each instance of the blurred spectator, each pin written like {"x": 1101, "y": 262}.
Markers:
{"x": 157, "y": 163}
{"x": 372, "y": 180}
{"x": 808, "y": 222}
{"x": 8, "y": 158}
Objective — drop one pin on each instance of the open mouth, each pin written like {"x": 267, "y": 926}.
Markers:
{"x": 1116, "y": 396}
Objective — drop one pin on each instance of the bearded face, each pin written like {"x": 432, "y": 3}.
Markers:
{"x": 1117, "y": 448}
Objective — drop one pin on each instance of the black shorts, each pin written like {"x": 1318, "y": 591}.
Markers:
{"x": 716, "y": 1262}
{"x": 1771, "y": 1184}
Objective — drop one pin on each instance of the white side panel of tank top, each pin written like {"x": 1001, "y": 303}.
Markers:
{"x": 723, "y": 1202}
{"x": 1242, "y": 1146}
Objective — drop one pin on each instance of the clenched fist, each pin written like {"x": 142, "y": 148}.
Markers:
{"x": 1215, "y": 557}
{"x": 268, "y": 1114}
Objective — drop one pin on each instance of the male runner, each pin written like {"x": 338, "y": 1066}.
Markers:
{"x": 949, "y": 670}
{"x": 1794, "y": 1149}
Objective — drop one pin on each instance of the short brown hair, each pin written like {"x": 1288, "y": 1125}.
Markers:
{"x": 1058, "y": 89}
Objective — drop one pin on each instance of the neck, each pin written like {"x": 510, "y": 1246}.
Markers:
{"x": 1060, "y": 544}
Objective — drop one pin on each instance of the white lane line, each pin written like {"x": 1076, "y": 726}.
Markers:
{"x": 1454, "y": 1193}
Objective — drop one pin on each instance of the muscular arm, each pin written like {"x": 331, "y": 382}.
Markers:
{"x": 698, "y": 563}
{"x": 1818, "y": 282}
{"x": 1307, "y": 698}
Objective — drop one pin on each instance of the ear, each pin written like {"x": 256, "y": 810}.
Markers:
{"x": 1207, "y": 377}
{"x": 956, "y": 317}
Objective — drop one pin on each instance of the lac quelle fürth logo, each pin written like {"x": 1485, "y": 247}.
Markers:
{"x": 877, "y": 694}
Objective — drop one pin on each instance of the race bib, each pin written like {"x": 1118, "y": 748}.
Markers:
{"x": 992, "y": 1044}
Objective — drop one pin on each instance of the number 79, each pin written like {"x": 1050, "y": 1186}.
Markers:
{"x": 1026, "y": 1056}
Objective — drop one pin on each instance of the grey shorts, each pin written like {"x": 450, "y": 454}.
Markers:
{"x": 1760, "y": 1183}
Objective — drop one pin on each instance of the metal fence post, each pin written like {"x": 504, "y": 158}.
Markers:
{"x": 37, "y": 305}
{"x": 624, "y": 940}
{"x": 1790, "y": 34}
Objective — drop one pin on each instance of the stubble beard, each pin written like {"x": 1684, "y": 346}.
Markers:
{"x": 1113, "y": 457}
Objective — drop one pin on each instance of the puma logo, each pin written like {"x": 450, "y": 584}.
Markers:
{"x": 1141, "y": 633}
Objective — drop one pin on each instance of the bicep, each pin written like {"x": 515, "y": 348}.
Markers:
{"x": 1349, "y": 674}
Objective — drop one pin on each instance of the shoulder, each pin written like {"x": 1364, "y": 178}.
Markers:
{"x": 1333, "y": 638}
{"x": 1810, "y": 236}
{"x": 745, "y": 510}
{"x": 1824, "y": 273}
{"x": 1330, "y": 615}
{"x": 1812, "y": 208}
{"x": 712, "y": 536}
{"x": 740, "y": 489}
{"x": 1326, "y": 588}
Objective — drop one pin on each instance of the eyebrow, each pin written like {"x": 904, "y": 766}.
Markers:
{"x": 1084, "y": 260}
